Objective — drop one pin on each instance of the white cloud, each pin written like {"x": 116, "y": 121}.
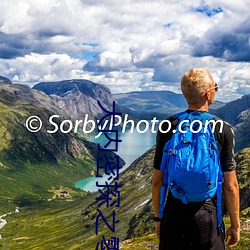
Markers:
{"x": 34, "y": 68}
{"x": 141, "y": 44}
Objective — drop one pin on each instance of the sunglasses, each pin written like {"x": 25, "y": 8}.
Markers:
{"x": 216, "y": 87}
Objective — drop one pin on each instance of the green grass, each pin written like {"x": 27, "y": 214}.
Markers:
{"x": 54, "y": 225}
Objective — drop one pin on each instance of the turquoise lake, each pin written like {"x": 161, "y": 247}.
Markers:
{"x": 132, "y": 146}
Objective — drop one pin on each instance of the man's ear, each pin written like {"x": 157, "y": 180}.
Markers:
{"x": 207, "y": 95}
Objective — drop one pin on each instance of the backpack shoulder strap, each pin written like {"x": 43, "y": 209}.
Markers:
{"x": 208, "y": 116}
{"x": 182, "y": 115}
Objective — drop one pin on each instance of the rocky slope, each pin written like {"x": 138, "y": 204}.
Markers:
{"x": 18, "y": 102}
{"x": 237, "y": 114}
{"x": 4, "y": 80}
{"x": 232, "y": 110}
{"x": 242, "y": 130}
{"x": 78, "y": 97}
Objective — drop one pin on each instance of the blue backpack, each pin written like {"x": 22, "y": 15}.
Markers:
{"x": 191, "y": 162}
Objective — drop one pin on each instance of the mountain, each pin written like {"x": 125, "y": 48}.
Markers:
{"x": 71, "y": 224}
{"x": 242, "y": 130}
{"x": 78, "y": 97}
{"x": 237, "y": 114}
{"x": 4, "y": 80}
{"x": 36, "y": 167}
{"x": 216, "y": 105}
{"x": 31, "y": 164}
{"x": 232, "y": 110}
{"x": 149, "y": 104}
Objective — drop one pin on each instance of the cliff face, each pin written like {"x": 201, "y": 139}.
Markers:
{"x": 78, "y": 97}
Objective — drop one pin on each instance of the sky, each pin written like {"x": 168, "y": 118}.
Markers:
{"x": 127, "y": 45}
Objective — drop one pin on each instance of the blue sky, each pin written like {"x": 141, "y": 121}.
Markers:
{"x": 126, "y": 45}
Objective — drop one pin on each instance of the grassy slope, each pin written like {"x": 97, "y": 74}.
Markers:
{"x": 26, "y": 171}
{"x": 31, "y": 165}
{"x": 71, "y": 225}
{"x": 48, "y": 226}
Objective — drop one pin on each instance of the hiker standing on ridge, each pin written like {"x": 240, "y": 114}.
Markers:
{"x": 192, "y": 170}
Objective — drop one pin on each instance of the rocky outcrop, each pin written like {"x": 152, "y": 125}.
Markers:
{"x": 78, "y": 97}
{"x": 4, "y": 80}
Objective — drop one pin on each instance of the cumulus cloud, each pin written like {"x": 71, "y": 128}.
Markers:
{"x": 231, "y": 45}
{"x": 34, "y": 68}
{"x": 140, "y": 45}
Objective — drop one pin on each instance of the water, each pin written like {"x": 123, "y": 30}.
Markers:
{"x": 132, "y": 146}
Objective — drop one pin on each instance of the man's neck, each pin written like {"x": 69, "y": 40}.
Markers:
{"x": 198, "y": 107}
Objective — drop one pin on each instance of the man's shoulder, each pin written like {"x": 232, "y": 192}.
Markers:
{"x": 173, "y": 122}
{"x": 227, "y": 127}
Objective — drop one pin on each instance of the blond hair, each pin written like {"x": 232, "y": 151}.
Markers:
{"x": 195, "y": 83}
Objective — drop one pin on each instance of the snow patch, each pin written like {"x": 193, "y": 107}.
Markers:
{"x": 143, "y": 203}
{"x": 2, "y": 223}
{"x": 143, "y": 186}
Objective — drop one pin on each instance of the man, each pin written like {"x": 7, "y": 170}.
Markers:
{"x": 194, "y": 225}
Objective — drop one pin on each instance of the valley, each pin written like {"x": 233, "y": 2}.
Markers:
{"x": 38, "y": 171}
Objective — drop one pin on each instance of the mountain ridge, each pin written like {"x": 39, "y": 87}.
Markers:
{"x": 4, "y": 80}
{"x": 230, "y": 111}
{"x": 78, "y": 97}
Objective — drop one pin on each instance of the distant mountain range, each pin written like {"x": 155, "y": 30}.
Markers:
{"x": 161, "y": 104}
{"x": 79, "y": 97}
{"x": 149, "y": 104}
